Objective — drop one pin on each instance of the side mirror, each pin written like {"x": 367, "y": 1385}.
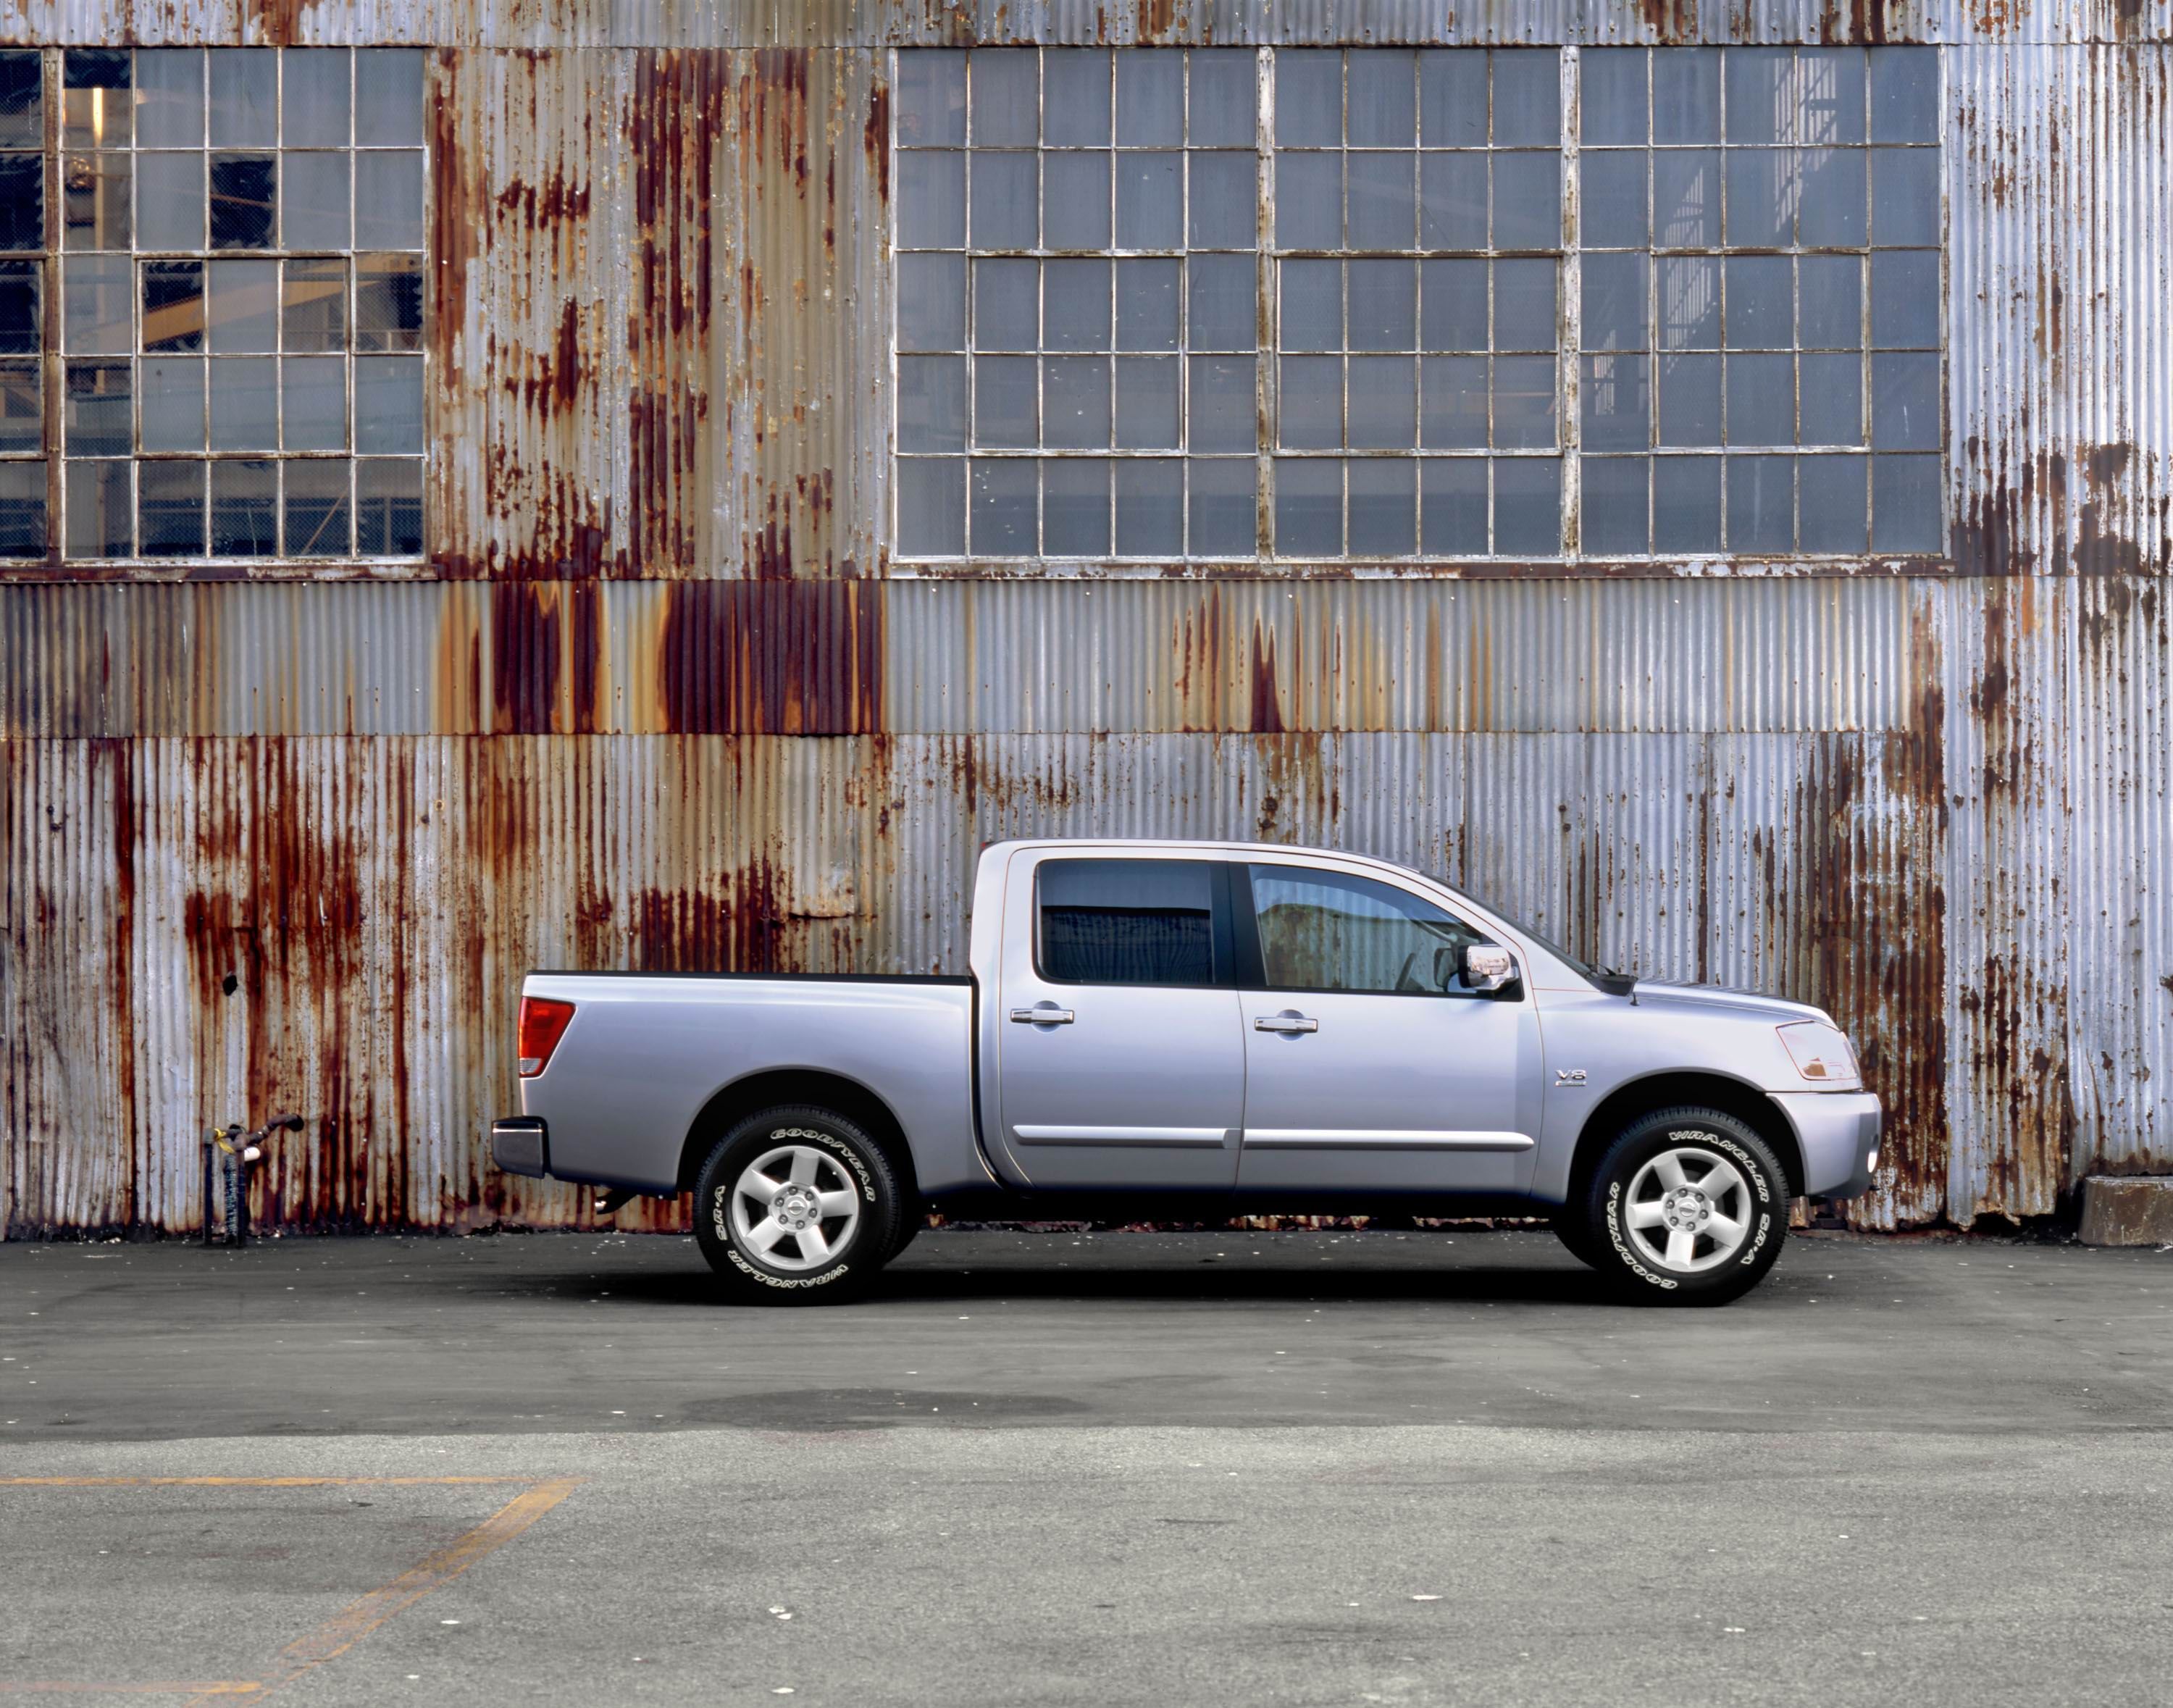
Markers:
{"x": 1487, "y": 966}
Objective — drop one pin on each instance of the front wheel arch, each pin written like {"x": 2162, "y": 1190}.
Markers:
{"x": 1665, "y": 1091}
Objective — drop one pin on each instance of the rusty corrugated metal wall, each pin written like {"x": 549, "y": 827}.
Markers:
{"x": 659, "y": 699}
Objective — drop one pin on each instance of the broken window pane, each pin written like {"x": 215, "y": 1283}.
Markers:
{"x": 388, "y": 521}
{"x": 21, "y": 317}
{"x": 22, "y": 201}
{"x": 173, "y": 304}
{"x": 242, "y": 197}
{"x": 245, "y": 508}
{"x": 388, "y": 302}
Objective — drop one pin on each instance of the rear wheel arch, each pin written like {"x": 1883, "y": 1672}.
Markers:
{"x": 1731, "y": 1096}
{"x": 734, "y": 1102}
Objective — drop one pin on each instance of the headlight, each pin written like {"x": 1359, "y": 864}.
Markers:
{"x": 1820, "y": 1052}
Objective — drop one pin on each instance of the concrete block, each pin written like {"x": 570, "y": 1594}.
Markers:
{"x": 2132, "y": 1211}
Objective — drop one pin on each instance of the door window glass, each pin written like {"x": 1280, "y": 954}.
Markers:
{"x": 1324, "y": 931}
{"x": 1127, "y": 922}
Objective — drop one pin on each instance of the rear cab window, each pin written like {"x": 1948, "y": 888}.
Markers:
{"x": 1134, "y": 922}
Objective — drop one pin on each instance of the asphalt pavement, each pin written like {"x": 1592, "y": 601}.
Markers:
{"x": 1054, "y": 1468}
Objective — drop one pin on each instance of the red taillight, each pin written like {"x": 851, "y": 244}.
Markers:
{"x": 543, "y": 1022}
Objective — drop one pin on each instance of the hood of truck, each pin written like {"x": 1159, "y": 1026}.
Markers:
{"x": 1702, "y": 997}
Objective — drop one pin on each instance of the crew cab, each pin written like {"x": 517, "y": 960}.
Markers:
{"x": 1196, "y": 1031}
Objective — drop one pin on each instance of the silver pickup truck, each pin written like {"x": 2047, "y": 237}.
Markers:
{"x": 1193, "y": 1031}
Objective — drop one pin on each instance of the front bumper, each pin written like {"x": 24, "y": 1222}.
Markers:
{"x": 520, "y": 1144}
{"x": 1837, "y": 1132}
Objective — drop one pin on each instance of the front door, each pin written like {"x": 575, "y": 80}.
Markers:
{"x": 1121, "y": 1062}
{"x": 1368, "y": 1067}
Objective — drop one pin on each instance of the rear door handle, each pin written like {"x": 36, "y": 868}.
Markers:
{"x": 1044, "y": 1016}
{"x": 1284, "y": 1022}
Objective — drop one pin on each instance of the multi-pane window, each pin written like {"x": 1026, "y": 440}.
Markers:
{"x": 1318, "y": 303}
{"x": 1759, "y": 326}
{"x": 238, "y": 253}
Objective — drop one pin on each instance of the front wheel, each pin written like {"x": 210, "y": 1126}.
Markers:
{"x": 1688, "y": 1206}
{"x": 796, "y": 1205}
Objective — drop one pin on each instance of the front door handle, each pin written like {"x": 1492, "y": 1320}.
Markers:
{"x": 1285, "y": 1022}
{"x": 1049, "y": 1016}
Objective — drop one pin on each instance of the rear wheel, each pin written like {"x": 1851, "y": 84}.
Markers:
{"x": 1688, "y": 1206}
{"x": 796, "y": 1205}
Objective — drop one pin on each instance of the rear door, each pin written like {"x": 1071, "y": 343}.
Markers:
{"x": 1121, "y": 1061}
{"x": 1368, "y": 1066}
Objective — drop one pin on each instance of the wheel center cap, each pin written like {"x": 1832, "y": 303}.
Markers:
{"x": 795, "y": 1206}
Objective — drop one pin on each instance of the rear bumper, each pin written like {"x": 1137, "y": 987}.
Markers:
{"x": 520, "y": 1144}
{"x": 1838, "y": 1133}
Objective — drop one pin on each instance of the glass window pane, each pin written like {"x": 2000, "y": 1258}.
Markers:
{"x": 1453, "y": 398}
{"x": 1383, "y": 306}
{"x": 1075, "y": 201}
{"x": 1074, "y": 98}
{"x": 1905, "y": 401}
{"x": 1831, "y": 211}
{"x": 931, "y": 200}
{"x": 1382, "y": 94}
{"x": 170, "y": 98}
{"x": 1761, "y": 503}
{"x": 1454, "y": 300}
{"x": 1453, "y": 506}
{"x": 1006, "y": 209}
{"x": 1224, "y": 214}
{"x": 1616, "y": 507}
{"x": 1222, "y": 311}
{"x": 388, "y": 96}
{"x": 313, "y": 402}
{"x": 22, "y": 318}
{"x": 1527, "y": 200}
{"x": 22, "y": 201}
{"x": 94, "y": 303}
{"x": 1829, "y": 95}
{"x": 1006, "y": 402}
{"x": 1616, "y": 403}
{"x": 22, "y": 99}
{"x": 1383, "y": 501}
{"x": 1384, "y": 212}
{"x": 1830, "y": 301}
{"x": 1075, "y": 306}
{"x": 1452, "y": 99}
{"x": 1689, "y": 399}
{"x": 1760, "y": 301}
{"x": 1686, "y": 503}
{"x": 245, "y": 92}
{"x": 1832, "y": 394}
{"x": 243, "y": 305}
{"x": 1004, "y": 99}
{"x": 1527, "y": 315}
{"x": 388, "y": 199}
{"x": 1074, "y": 507}
{"x": 388, "y": 403}
{"x": 242, "y": 196}
{"x": 1383, "y": 403}
{"x": 1611, "y": 98}
{"x": 1151, "y": 99}
{"x": 1685, "y": 197}
{"x": 1308, "y": 97}
{"x": 1149, "y": 507}
{"x": 98, "y": 105}
{"x": 1905, "y": 300}
{"x": 99, "y": 420}
{"x": 1007, "y": 304}
{"x": 931, "y": 403}
{"x": 22, "y": 407}
{"x": 22, "y": 508}
{"x": 313, "y": 202}
{"x": 245, "y": 508}
{"x": 1312, "y": 304}
{"x": 173, "y": 403}
{"x": 388, "y": 521}
{"x": 101, "y": 509}
{"x": 388, "y": 302}
{"x": 1615, "y": 306}
{"x": 1526, "y": 507}
{"x": 1310, "y": 403}
{"x": 1074, "y": 402}
{"x": 1686, "y": 95}
{"x": 245, "y": 404}
{"x": 1151, "y": 199}
{"x": 1688, "y": 307}
{"x": 1224, "y": 407}
{"x": 930, "y": 99}
{"x": 315, "y": 106}
{"x": 1905, "y": 197}
{"x": 1309, "y": 506}
{"x": 931, "y": 302}
{"x": 317, "y": 510}
{"x": 1527, "y": 98}
{"x": 1453, "y": 201}
{"x": 1126, "y": 922}
{"x": 313, "y": 305}
{"x": 1309, "y": 201}
{"x": 1831, "y": 494}
{"x": 1225, "y": 84}
{"x": 94, "y": 195}
{"x": 1760, "y": 198}
{"x": 1761, "y": 94}
{"x": 1905, "y": 503}
{"x": 931, "y": 506}
{"x": 1523, "y": 402}
{"x": 171, "y": 508}
{"x": 1147, "y": 412}
{"x": 1761, "y": 399}
{"x": 171, "y": 201}
{"x": 1147, "y": 304}
{"x": 1611, "y": 203}
{"x": 1225, "y": 506}
{"x": 1905, "y": 94}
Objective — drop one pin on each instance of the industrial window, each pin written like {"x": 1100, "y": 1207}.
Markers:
{"x": 1327, "y": 304}
{"x": 235, "y": 240}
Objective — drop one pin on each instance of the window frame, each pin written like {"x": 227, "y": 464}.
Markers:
{"x": 1252, "y": 963}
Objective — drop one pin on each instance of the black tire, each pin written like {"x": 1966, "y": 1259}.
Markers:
{"x": 911, "y": 1218}
{"x": 858, "y": 1241}
{"x": 1628, "y": 1241}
